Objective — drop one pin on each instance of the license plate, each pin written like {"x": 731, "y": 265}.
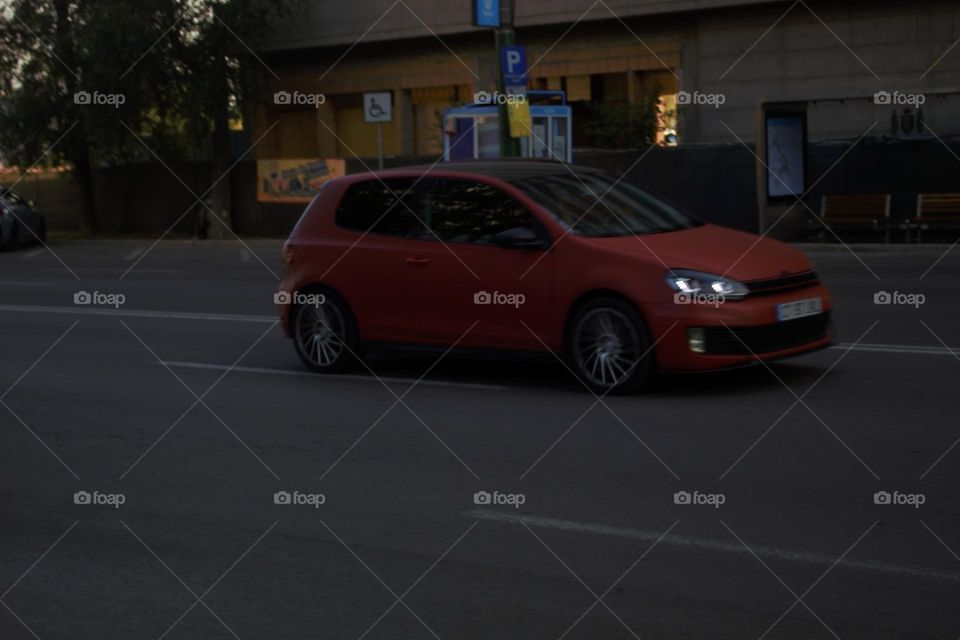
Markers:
{"x": 799, "y": 309}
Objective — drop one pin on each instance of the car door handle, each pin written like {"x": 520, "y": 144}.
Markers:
{"x": 417, "y": 262}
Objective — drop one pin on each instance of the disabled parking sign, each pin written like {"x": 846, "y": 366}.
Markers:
{"x": 377, "y": 107}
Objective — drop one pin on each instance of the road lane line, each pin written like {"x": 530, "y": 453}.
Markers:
{"x": 34, "y": 253}
{"x": 134, "y": 313}
{"x": 133, "y": 255}
{"x": 190, "y": 315}
{"x": 899, "y": 348}
{"x": 336, "y": 376}
{"x": 24, "y": 283}
{"x": 710, "y": 544}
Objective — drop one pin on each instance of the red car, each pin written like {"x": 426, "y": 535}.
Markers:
{"x": 521, "y": 255}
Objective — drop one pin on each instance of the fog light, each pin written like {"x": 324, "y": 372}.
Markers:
{"x": 697, "y": 339}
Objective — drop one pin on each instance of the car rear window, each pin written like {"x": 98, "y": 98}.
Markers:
{"x": 388, "y": 207}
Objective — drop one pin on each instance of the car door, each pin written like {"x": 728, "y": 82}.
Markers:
{"x": 378, "y": 263}
{"x": 507, "y": 292}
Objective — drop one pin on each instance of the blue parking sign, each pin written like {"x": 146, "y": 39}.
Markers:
{"x": 486, "y": 13}
{"x": 513, "y": 65}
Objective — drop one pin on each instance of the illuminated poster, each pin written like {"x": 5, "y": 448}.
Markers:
{"x": 295, "y": 180}
{"x": 785, "y": 156}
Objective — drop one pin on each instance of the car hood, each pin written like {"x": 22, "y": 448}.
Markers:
{"x": 713, "y": 249}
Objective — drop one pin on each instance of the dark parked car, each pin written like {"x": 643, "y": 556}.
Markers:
{"x": 20, "y": 224}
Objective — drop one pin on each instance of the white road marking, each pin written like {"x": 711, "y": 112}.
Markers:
{"x": 134, "y": 313}
{"x": 34, "y": 253}
{"x": 710, "y": 544}
{"x": 901, "y": 348}
{"x": 228, "y": 317}
{"x": 133, "y": 255}
{"x": 244, "y": 255}
{"x": 337, "y": 376}
{"x": 24, "y": 283}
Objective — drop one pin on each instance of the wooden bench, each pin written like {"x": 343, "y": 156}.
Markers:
{"x": 857, "y": 212}
{"x": 936, "y": 211}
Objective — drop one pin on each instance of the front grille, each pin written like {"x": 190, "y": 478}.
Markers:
{"x": 783, "y": 283}
{"x": 729, "y": 341}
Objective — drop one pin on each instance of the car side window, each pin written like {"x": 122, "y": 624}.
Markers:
{"x": 388, "y": 207}
{"x": 472, "y": 212}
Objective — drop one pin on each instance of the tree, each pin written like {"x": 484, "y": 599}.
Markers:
{"x": 92, "y": 81}
{"x": 224, "y": 77}
{"x": 76, "y": 77}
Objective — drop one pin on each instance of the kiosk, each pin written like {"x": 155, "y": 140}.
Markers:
{"x": 472, "y": 132}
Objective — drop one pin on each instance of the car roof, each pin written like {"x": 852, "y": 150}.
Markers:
{"x": 507, "y": 169}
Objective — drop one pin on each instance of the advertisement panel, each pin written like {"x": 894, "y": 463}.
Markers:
{"x": 294, "y": 181}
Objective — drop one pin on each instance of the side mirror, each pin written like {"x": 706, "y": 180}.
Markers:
{"x": 519, "y": 238}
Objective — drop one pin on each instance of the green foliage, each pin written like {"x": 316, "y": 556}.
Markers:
{"x": 180, "y": 67}
{"x": 618, "y": 124}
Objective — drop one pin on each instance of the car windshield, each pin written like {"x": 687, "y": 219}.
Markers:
{"x": 598, "y": 206}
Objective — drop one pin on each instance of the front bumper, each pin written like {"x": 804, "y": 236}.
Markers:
{"x": 738, "y": 332}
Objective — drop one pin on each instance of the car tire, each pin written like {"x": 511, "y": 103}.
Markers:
{"x": 609, "y": 346}
{"x": 325, "y": 334}
{"x": 42, "y": 231}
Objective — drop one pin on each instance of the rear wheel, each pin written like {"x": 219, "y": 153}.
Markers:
{"x": 324, "y": 332}
{"x": 609, "y": 346}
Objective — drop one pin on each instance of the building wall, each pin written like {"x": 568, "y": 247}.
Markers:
{"x": 321, "y": 23}
{"x": 748, "y": 55}
{"x": 803, "y": 59}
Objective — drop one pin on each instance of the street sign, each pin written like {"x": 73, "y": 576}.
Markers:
{"x": 513, "y": 66}
{"x": 486, "y": 13}
{"x": 377, "y": 107}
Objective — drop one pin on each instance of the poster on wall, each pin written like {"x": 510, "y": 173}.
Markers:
{"x": 295, "y": 181}
{"x": 785, "y": 155}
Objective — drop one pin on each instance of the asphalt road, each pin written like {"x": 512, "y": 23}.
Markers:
{"x": 188, "y": 405}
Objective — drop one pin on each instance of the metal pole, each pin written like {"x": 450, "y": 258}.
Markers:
{"x": 380, "y": 146}
{"x": 505, "y": 36}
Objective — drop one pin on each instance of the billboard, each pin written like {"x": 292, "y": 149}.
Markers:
{"x": 295, "y": 181}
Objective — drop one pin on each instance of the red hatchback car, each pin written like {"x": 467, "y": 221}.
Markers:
{"x": 522, "y": 255}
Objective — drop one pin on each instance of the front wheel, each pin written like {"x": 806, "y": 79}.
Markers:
{"x": 324, "y": 332}
{"x": 609, "y": 346}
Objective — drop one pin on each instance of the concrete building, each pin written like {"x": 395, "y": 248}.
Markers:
{"x": 849, "y": 70}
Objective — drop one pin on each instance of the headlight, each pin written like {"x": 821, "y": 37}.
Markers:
{"x": 683, "y": 281}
